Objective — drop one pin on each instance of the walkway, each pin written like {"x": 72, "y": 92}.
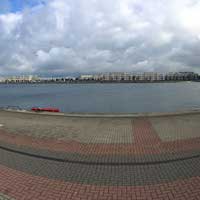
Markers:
{"x": 57, "y": 157}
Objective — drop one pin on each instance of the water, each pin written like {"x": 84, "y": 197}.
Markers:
{"x": 104, "y": 98}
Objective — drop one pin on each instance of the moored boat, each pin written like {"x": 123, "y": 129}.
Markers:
{"x": 49, "y": 109}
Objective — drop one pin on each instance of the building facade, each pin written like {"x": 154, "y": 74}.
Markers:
{"x": 21, "y": 79}
{"x": 143, "y": 77}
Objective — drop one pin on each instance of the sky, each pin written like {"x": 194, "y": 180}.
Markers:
{"x": 62, "y": 37}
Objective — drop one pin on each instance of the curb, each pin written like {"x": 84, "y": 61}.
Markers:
{"x": 109, "y": 115}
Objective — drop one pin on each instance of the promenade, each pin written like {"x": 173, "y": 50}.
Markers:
{"x": 103, "y": 158}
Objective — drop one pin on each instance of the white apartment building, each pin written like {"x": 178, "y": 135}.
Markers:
{"x": 125, "y": 76}
{"x": 86, "y": 77}
{"x": 2, "y": 79}
{"x": 181, "y": 76}
{"x": 21, "y": 79}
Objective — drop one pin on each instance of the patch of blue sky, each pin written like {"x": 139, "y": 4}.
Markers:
{"x": 18, "y": 5}
{"x": 4, "y": 6}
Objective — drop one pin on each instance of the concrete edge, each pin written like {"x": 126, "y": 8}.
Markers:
{"x": 108, "y": 115}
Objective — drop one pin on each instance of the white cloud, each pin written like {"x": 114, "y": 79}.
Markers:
{"x": 189, "y": 17}
{"x": 65, "y": 36}
{"x": 9, "y": 22}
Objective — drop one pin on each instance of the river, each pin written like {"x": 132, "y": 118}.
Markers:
{"x": 104, "y": 98}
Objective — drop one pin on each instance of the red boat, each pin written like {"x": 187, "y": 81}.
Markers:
{"x": 37, "y": 109}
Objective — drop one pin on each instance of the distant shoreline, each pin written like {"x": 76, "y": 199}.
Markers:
{"x": 94, "y": 82}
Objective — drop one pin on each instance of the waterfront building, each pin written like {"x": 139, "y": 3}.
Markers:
{"x": 22, "y": 79}
{"x": 70, "y": 78}
{"x": 181, "y": 76}
{"x": 125, "y": 76}
{"x": 2, "y": 80}
{"x": 86, "y": 77}
{"x": 108, "y": 77}
{"x": 143, "y": 77}
{"x": 56, "y": 79}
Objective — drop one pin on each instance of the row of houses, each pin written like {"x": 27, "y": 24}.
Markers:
{"x": 146, "y": 76}
{"x": 34, "y": 79}
{"x": 108, "y": 77}
{"x": 20, "y": 79}
{"x": 56, "y": 79}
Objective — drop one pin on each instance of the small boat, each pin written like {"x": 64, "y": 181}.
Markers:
{"x": 50, "y": 109}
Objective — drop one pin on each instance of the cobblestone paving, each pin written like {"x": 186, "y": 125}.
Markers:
{"x": 81, "y": 130}
{"x": 177, "y": 128}
{"x": 102, "y": 175}
{"x": 146, "y": 142}
{"x": 52, "y": 157}
{"x": 25, "y": 186}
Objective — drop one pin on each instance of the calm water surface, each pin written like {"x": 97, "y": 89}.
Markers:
{"x": 108, "y": 98}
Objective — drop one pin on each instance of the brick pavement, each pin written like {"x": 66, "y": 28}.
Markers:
{"x": 176, "y": 127}
{"x": 24, "y": 186}
{"x": 84, "y": 130}
{"x": 97, "y": 174}
{"x": 146, "y": 142}
{"x": 143, "y": 140}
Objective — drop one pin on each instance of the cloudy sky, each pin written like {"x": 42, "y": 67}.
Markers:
{"x": 54, "y": 37}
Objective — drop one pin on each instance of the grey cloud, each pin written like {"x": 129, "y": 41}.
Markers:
{"x": 66, "y": 36}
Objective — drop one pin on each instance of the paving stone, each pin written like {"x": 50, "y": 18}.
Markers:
{"x": 25, "y": 186}
{"x": 177, "y": 127}
{"x": 132, "y": 175}
{"x": 55, "y": 157}
{"x": 91, "y": 130}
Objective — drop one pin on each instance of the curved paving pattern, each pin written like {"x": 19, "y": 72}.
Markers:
{"x": 52, "y": 157}
{"x": 129, "y": 175}
{"x": 22, "y": 185}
